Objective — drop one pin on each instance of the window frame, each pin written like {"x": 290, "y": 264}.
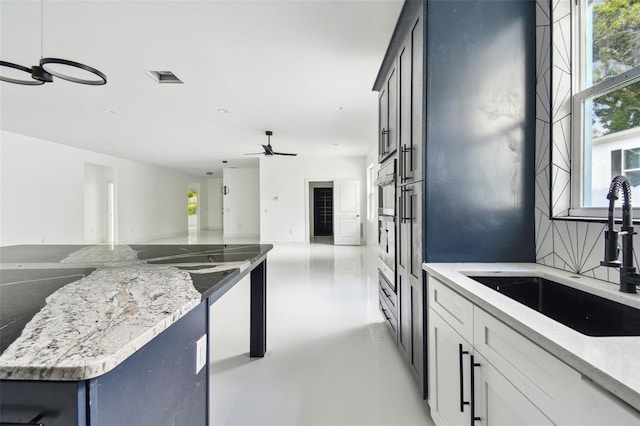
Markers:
{"x": 578, "y": 96}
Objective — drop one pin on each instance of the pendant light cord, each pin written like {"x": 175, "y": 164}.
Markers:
{"x": 41, "y": 29}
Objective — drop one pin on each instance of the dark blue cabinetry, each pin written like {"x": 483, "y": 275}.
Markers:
{"x": 155, "y": 386}
{"x": 466, "y": 145}
{"x": 158, "y": 385}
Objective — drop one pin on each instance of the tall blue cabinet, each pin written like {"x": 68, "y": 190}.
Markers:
{"x": 463, "y": 124}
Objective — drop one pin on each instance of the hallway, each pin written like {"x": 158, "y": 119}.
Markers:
{"x": 330, "y": 359}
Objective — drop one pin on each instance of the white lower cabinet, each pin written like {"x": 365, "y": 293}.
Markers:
{"x": 599, "y": 407}
{"x": 494, "y": 400}
{"x": 449, "y": 389}
{"x": 499, "y": 402}
{"x": 484, "y": 373}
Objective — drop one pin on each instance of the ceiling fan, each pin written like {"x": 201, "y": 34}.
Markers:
{"x": 268, "y": 149}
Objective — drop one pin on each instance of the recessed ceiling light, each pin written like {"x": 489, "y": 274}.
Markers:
{"x": 109, "y": 111}
{"x": 338, "y": 108}
{"x": 164, "y": 77}
{"x": 223, "y": 111}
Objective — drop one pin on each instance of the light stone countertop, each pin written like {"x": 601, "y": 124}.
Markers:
{"x": 612, "y": 362}
{"x": 84, "y": 310}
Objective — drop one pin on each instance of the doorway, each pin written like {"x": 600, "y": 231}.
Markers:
{"x": 99, "y": 204}
{"x": 193, "y": 208}
{"x": 322, "y": 212}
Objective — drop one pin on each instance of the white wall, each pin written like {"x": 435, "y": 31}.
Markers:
{"x": 42, "y": 194}
{"x": 214, "y": 204}
{"x": 96, "y": 204}
{"x": 284, "y": 182}
{"x": 242, "y": 204}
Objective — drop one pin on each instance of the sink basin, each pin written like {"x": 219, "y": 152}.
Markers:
{"x": 584, "y": 312}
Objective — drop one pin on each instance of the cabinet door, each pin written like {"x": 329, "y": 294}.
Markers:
{"x": 404, "y": 109}
{"x": 549, "y": 383}
{"x": 383, "y": 123}
{"x": 599, "y": 407}
{"x": 414, "y": 154}
{"x": 402, "y": 277}
{"x": 409, "y": 277}
{"x": 417, "y": 347}
{"x": 497, "y": 402}
{"x": 413, "y": 199}
{"x": 448, "y": 375}
{"x": 416, "y": 282}
{"x": 410, "y": 96}
{"x": 392, "y": 90}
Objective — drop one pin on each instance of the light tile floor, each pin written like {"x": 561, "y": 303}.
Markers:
{"x": 330, "y": 358}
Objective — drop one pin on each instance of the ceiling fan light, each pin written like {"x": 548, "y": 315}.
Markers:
{"x": 49, "y": 65}
{"x": 27, "y": 82}
{"x": 38, "y": 73}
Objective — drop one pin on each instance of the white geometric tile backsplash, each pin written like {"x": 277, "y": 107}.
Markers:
{"x": 575, "y": 246}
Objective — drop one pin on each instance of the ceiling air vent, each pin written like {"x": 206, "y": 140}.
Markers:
{"x": 164, "y": 77}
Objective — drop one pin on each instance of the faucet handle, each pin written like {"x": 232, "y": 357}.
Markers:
{"x": 611, "y": 250}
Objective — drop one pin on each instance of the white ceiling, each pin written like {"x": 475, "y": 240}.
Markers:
{"x": 274, "y": 65}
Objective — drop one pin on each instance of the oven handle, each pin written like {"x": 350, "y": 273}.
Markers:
{"x": 385, "y": 180}
{"x": 384, "y": 136}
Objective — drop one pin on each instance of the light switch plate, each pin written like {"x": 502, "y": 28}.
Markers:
{"x": 201, "y": 353}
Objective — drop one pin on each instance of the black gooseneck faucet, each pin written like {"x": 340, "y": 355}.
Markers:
{"x": 629, "y": 279}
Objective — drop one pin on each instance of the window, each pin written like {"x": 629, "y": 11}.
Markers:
{"x": 192, "y": 202}
{"x": 371, "y": 207}
{"x": 606, "y": 100}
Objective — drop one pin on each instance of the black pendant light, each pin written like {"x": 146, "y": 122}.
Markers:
{"x": 50, "y": 67}
{"x": 27, "y": 82}
{"x": 46, "y": 64}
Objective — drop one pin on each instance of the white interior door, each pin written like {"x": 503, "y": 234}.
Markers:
{"x": 346, "y": 212}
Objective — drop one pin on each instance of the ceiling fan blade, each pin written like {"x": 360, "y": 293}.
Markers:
{"x": 255, "y": 153}
{"x": 284, "y": 153}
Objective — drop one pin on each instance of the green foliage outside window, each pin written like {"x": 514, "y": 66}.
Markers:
{"x": 192, "y": 202}
{"x": 616, "y": 49}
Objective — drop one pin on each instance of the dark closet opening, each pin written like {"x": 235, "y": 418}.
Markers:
{"x": 322, "y": 212}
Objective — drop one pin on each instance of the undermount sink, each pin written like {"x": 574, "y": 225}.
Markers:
{"x": 584, "y": 312}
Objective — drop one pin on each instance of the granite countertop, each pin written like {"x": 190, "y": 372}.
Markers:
{"x": 72, "y": 312}
{"x": 609, "y": 361}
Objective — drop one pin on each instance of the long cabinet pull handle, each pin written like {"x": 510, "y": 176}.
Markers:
{"x": 385, "y": 138}
{"x": 405, "y": 151}
{"x": 403, "y": 165}
{"x": 472, "y": 367}
{"x": 406, "y": 202}
{"x": 461, "y": 353}
{"x": 405, "y": 197}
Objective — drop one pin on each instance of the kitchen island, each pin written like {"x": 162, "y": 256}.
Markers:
{"x": 116, "y": 335}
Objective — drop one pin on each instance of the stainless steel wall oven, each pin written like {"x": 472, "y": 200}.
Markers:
{"x": 386, "y": 221}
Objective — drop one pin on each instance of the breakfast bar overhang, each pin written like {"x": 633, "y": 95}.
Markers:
{"x": 112, "y": 335}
